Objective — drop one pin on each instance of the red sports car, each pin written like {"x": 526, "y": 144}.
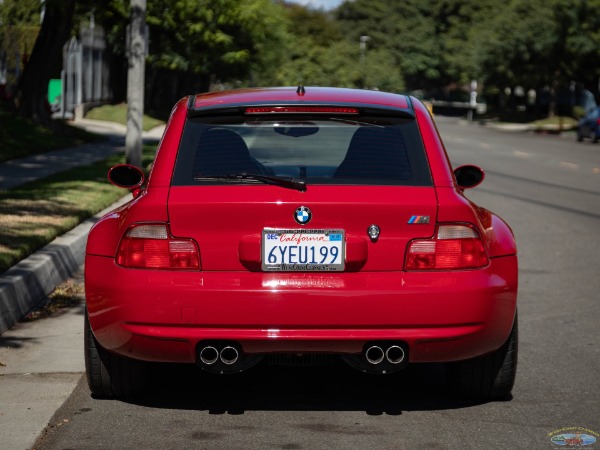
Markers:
{"x": 297, "y": 225}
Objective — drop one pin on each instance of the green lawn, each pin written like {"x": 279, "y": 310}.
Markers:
{"x": 20, "y": 137}
{"x": 35, "y": 213}
{"x": 118, "y": 114}
{"x": 557, "y": 122}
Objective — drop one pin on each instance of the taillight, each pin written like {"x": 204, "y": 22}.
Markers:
{"x": 453, "y": 247}
{"x": 150, "y": 246}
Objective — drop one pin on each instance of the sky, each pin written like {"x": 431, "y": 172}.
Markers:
{"x": 319, "y": 4}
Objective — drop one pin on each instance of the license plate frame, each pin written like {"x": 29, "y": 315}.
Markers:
{"x": 303, "y": 250}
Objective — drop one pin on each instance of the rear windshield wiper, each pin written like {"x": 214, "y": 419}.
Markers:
{"x": 283, "y": 182}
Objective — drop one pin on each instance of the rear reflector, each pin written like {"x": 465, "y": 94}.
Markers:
{"x": 300, "y": 110}
{"x": 152, "y": 247}
{"x": 453, "y": 247}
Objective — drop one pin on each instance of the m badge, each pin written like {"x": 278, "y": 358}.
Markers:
{"x": 418, "y": 219}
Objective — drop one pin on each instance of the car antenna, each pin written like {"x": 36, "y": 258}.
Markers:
{"x": 300, "y": 91}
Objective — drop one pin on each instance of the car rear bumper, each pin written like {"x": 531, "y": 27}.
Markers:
{"x": 163, "y": 315}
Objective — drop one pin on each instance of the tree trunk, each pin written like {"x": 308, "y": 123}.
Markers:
{"x": 46, "y": 60}
{"x": 553, "y": 95}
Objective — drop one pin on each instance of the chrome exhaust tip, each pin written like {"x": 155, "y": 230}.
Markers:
{"x": 229, "y": 355}
{"x": 374, "y": 354}
{"x": 209, "y": 355}
{"x": 395, "y": 354}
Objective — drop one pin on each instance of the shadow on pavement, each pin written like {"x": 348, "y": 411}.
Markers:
{"x": 317, "y": 388}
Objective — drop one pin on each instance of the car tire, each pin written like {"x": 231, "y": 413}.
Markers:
{"x": 110, "y": 375}
{"x": 579, "y": 136}
{"x": 489, "y": 377}
{"x": 595, "y": 138}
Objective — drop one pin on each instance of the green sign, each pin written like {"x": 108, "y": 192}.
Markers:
{"x": 54, "y": 91}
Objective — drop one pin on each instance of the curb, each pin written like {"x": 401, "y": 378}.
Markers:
{"x": 27, "y": 284}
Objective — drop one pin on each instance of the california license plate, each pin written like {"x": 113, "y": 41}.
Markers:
{"x": 303, "y": 250}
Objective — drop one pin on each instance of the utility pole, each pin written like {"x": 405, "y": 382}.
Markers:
{"x": 136, "y": 54}
{"x": 363, "y": 60}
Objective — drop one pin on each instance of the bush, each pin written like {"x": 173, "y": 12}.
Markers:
{"x": 578, "y": 112}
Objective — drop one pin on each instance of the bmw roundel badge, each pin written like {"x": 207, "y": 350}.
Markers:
{"x": 302, "y": 215}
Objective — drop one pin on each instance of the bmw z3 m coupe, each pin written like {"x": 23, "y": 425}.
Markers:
{"x": 301, "y": 223}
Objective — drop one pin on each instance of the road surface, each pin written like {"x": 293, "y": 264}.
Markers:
{"x": 548, "y": 189}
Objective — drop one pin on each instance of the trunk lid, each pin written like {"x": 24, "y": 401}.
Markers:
{"x": 227, "y": 221}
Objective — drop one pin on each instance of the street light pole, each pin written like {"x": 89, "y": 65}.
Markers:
{"x": 363, "y": 59}
{"x": 136, "y": 53}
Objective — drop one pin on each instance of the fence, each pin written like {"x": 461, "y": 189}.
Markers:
{"x": 85, "y": 74}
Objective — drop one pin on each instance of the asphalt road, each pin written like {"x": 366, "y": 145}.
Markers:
{"x": 548, "y": 189}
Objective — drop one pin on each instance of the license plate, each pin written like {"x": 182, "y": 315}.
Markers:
{"x": 303, "y": 250}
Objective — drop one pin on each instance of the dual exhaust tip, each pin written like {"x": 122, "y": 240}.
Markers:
{"x": 394, "y": 354}
{"x": 224, "y": 357}
{"x": 221, "y": 357}
{"x": 210, "y": 355}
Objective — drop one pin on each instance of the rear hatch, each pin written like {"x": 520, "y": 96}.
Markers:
{"x": 262, "y": 193}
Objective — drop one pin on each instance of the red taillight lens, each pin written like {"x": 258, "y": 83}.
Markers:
{"x": 453, "y": 247}
{"x": 150, "y": 246}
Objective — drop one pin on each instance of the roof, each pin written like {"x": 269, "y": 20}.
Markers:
{"x": 293, "y": 96}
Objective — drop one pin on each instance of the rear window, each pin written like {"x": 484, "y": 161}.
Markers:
{"x": 316, "y": 150}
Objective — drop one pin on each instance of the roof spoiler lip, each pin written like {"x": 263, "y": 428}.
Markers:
{"x": 239, "y": 108}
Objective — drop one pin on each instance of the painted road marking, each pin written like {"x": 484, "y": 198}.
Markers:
{"x": 569, "y": 165}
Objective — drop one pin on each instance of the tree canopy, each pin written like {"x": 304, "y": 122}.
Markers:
{"x": 428, "y": 46}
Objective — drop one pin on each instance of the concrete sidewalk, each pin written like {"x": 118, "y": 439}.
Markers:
{"x": 41, "y": 361}
{"x": 19, "y": 171}
{"x": 116, "y": 129}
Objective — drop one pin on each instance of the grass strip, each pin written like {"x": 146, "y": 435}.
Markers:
{"x": 557, "y": 123}
{"x": 118, "y": 114}
{"x": 35, "y": 213}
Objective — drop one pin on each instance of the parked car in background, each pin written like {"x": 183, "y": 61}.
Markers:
{"x": 301, "y": 226}
{"x": 589, "y": 126}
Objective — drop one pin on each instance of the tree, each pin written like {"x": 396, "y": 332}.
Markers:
{"x": 19, "y": 12}
{"x": 216, "y": 40}
{"x": 405, "y": 31}
{"x": 514, "y": 44}
{"x": 540, "y": 45}
{"x": 576, "y": 49}
{"x": 19, "y": 27}
{"x": 320, "y": 54}
{"x": 455, "y": 22}
{"x": 45, "y": 61}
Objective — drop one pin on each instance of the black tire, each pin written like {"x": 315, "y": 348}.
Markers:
{"x": 489, "y": 377}
{"x": 110, "y": 375}
{"x": 595, "y": 138}
{"x": 579, "y": 136}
